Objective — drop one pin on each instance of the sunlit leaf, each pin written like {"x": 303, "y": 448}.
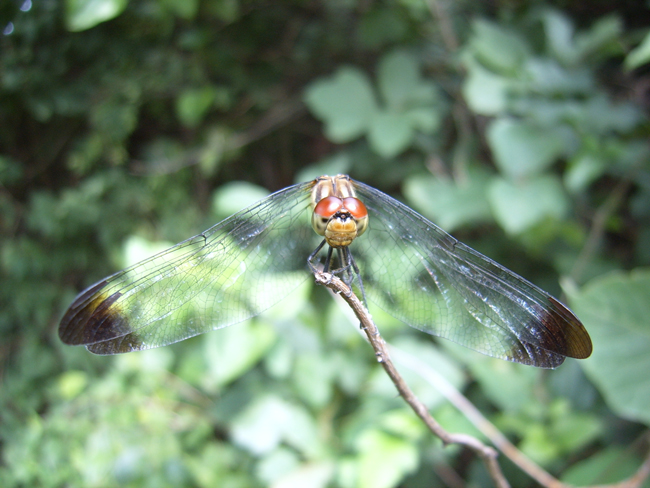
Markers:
{"x": 344, "y": 102}
{"x": 639, "y": 55}
{"x": 384, "y": 459}
{"x": 448, "y": 203}
{"x": 611, "y": 465}
{"x": 496, "y": 47}
{"x": 616, "y": 311}
{"x": 390, "y": 133}
{"x": 84, "y": 14}
{"x": 521, "y": 149}
{"x": 519, "y": 206}
{"x": 234, "y": 350}
{"x": 267, "y": 422}
{"x": 485, "y": 92}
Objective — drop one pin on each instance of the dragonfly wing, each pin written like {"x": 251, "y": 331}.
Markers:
{"x": 423, "y": 276}
{"x": 231, "y": 272}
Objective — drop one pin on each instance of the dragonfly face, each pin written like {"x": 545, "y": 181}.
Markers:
{"x": 410, "y": 267}
{"x": 338, "y": 214}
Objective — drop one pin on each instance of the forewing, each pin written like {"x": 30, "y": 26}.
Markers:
{"x": 231, "y": 272}
{"x": 420, "y": 274}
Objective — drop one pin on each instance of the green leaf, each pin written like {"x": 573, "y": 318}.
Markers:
{"x": 232, "y": 351}
{"x": 604, "y": 37}
{"x": 270, "y": 420}
{"x": 522, "y": 149}
{"x": 497, "y": 48}
{"x": 234, "y": 196}
{"x": 84, "y": 14}
{"x": 312, "y": 474}
{"x": 450, "y": 203}
{"x": 186, "y": 9}
{"x": 426, "y": 119}
{"x": 384, "y": 459}
{"x": 559, "y": 35}
{"x": 611, "y": 465}
{"x": 485, "y": 92}
{"x": 390, "y": 134}
{"x": 510, "y": 386}
{"x": 519, "y": 206}
{"x": 344, "y": 102}
{"x": 616, "y": 311}
{"x": 639, "y": 55}
{"x": 398, "y": 77}
{"x": 583, "y": 170}
{"x": 136, "y": 249}
{"x": 192, "y": 105}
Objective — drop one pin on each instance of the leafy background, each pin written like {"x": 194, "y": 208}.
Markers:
{"x": 126, "y": 126}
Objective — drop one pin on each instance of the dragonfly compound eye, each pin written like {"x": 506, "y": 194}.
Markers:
{"x": 358, "y": 211}
{"x": 323, "y": 212}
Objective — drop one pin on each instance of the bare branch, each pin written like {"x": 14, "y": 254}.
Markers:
{"x": 487, "y": 454}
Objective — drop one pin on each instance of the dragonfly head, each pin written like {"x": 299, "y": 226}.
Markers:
{"x": 340, "y": 220}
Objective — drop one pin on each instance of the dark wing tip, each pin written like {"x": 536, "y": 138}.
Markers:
{"x": 120, "y": 345}
{"x": 565, "y": 334}
{"x": 536, "y": 356}
{"x": 93, "y": 318}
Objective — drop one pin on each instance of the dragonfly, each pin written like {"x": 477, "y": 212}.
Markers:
{"x": 245, "y": 264}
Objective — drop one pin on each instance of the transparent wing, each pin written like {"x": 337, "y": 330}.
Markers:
{"x": 229, "y": 273}
{"x": 421, "y": 275}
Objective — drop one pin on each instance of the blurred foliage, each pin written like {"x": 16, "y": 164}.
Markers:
{"x": 126, "y": 126}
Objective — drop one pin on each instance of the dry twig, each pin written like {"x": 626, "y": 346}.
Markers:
{"x": 486, "y": 453}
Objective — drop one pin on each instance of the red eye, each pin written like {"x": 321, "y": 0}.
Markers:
{"x": 328, "y": 206}
{"x": 355, "y": 207}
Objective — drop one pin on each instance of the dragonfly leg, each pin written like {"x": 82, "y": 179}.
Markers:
{"x": 313, "y": 255}
{"x": 352, "y": 264}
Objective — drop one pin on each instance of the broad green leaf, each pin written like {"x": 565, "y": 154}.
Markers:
{"x": 344, "y": 102}
{"x": 522, "y": 149}
{"x": 398, "y": 77}
{"x": 484, "y": 91}
{"x": 192, "y": 105}
{"x": 269, "y": 421}
{"x": 277, "y": 464}
{"x": 604, "y": 37}
{"x": 559, "y": 35}
{"x": 390, "y": 134}
{"x": 313, "y": 377}
{"x": 232, "y": 351}
{"x": 232, "y": 197}
{"x": 519, "y": 206}
{"x": 426, "y": 119}
{"x": 510, "y": 386}
{"x": 611, "y": 465}
{"x": 384, "y": 460}
{"x": 583, "y": 170}
{"x": 548, "y": 77}
{"x": 313, "y": 475}
{"x": 84, "y": 14}
{"x": 449, "y": 203}
{"x": 497, "y": 48}
{"x": 616, "y": 311}
{"x": 640, "y": 55}
{"x": 137, "y": 249}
